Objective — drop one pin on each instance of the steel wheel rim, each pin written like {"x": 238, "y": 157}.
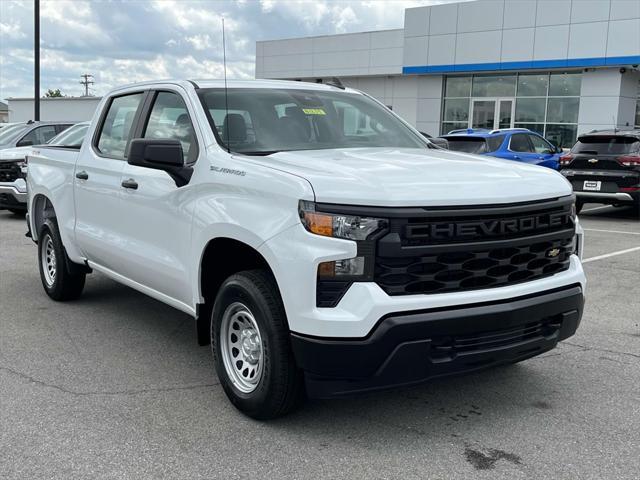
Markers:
{"x": 241, "y": 347}
{"x": 49, "y": 263}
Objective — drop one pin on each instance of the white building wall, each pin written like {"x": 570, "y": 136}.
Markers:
{"x": 355, "y": 54}
{"x": 568, "y": 33}
{"x": 608, "y": 98}
{"x": 65, "y": 109}
{"x": 417, "y": 100}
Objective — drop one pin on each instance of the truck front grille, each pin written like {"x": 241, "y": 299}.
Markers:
{"x": 447, "y": 250}
{"x": 10, "y": 171}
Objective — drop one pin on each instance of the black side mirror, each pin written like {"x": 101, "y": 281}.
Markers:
{"x": 24, "y": 143}
{"x": 160, "y": 154}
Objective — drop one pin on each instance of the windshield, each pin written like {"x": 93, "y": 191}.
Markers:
{"x": 71, "y": 137}
{"x": 467, "y": 144}
{"x": 11, "y": 133}
{"x": 264, "y": 121}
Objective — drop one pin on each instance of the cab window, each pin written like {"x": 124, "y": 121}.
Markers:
{"x": 169, "y": 119}
{"x": 117, "y": 126}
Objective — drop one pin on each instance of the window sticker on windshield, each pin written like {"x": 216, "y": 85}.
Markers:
{"x": 313, "y": 111}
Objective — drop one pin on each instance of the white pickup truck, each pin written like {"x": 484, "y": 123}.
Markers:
{"x": 321, "y": 243}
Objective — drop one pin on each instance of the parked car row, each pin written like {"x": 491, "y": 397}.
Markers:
{"x": 19, "y": 142}
{"x": 603, "y": 166}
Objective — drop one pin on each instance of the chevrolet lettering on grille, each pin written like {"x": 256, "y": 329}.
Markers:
{"x": 488, "y": 228}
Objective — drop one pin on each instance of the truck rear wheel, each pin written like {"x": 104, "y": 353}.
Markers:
{"x": 251, "y": 347}
{"x": 58, "y": 281}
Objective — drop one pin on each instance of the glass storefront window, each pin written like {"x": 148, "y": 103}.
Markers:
{"x": 564, "y": 136}
{"x": 563, "y": 110}
{"x": 533, "y": 85}
{"x": 458, "y": 87}
{"x": 545, "y": 102}
{"x": 448, "y": 126}
{"x": 565, "y": 84}
{"x": 494, "y": 86}
{"x": 456, "y": 110}
{"x": 530, "y": 109}
{"x": 534, "y": 127}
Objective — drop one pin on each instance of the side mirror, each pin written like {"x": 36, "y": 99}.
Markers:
{"x": 24, "y": 143}
{"x": 160, "y": 154}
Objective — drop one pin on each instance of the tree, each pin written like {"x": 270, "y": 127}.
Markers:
{"x": 53, "y": 93}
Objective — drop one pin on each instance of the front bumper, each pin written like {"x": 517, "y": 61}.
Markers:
{"x": 412, "y": 347}
{"x": 13, "y": 195}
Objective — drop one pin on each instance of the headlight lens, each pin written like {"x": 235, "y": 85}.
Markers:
{"x": 349, "y": 227}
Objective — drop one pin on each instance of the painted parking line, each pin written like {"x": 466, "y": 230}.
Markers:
{"x": 610, "y": 231}
{"x": 595, "y": 208}
{"x": 612, "y": 254}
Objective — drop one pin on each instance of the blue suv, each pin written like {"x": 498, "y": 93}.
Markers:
{"x": 518, "y": 144}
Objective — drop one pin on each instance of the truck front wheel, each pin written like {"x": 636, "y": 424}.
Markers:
{"x": 251, "y": 347}
{"x": 58, "y": 280}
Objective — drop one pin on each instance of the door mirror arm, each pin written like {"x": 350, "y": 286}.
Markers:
{"x": 160, "y": 154}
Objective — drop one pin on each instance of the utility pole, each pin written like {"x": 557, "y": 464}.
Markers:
{"x": 36, "y": 58}
{"x": 87, "y": 80}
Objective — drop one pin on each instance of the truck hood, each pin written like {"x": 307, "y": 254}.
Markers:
{"x": 15, "y": 153}
{"x": 417, "y": 177}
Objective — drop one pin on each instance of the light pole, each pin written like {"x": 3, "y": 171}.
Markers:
{"x": 36, "y": 55}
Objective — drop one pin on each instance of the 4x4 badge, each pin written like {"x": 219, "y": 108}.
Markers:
{"x": 593, "y": 160}
{"x": 554, "y": 252}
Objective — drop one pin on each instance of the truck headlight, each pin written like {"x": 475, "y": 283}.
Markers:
{"x": 348, "y": 227}
{"x": 335, "y": 277}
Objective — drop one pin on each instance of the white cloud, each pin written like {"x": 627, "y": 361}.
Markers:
{"x": 124, "y": 41}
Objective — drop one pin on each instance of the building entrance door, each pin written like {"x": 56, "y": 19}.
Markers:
{"x": 491, "y": 113}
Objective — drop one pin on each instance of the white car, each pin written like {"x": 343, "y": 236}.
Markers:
{"x": 320, "y": 243}
{"x": 13, "y": 167}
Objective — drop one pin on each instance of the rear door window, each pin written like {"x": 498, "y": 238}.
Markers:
{"x": 606, "y": 145}
{"x": 520, "y": 143}
{"x": 118, "y": 125}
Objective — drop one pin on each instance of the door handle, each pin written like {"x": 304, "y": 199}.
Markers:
{"x": 130, "y": 183}
{"x": 82, "y": 175}
{"x": 516, "y": 157}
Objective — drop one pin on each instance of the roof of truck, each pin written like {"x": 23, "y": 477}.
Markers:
{"x": 236, "y": 83}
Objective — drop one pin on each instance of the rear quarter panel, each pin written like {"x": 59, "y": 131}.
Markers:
{"x": 50, "y": 174}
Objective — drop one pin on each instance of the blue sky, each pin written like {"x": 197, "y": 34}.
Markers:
{"x": 124, "y": 41}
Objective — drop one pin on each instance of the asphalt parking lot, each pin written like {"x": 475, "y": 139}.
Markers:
{"x": 115, "y": 386}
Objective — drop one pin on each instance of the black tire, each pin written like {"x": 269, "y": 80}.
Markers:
{"x": 579, "y": 205}
{"x": 279, "y": 389}
{"x": 65, "y": 284}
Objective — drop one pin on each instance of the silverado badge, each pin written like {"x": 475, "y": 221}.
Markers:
{"x": 593, "y": 160}
{"x": 553, "y": 253}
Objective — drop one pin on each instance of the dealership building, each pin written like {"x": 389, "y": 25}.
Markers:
{"x": 559, "y": 67}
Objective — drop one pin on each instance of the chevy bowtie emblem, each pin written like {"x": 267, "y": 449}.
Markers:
{"x": 553, "y": 253}
{"x": 593, "y": 160}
